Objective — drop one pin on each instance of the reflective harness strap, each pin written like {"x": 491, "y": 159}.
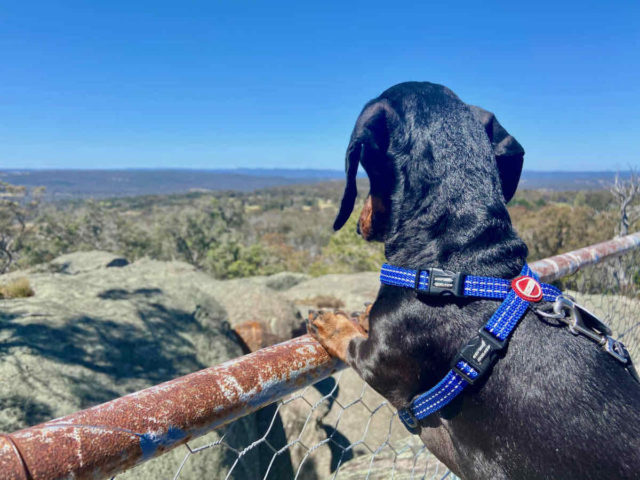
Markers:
{"x": 477, "y": 357}
{"x": 473, "y": 285}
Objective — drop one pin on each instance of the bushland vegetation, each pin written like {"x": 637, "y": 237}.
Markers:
{"x": 233, "y": 234}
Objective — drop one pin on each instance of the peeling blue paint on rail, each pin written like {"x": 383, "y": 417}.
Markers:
{"x": 150, "y": 442}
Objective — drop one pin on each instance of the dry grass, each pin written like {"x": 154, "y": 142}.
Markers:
{"x": 323, "y": 301}
{"x": 18, "y": 288}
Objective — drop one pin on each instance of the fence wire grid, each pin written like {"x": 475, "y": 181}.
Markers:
{"x": 341, "y": 428}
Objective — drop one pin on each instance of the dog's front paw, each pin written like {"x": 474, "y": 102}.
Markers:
{"x": 362, "y": 318}
{"x": 334, "y": 330}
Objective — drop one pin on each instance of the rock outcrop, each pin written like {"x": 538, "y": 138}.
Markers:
{"x": 99, "y": 327}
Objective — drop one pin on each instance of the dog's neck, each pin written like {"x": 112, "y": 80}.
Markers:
{"x": 471, "y": 234}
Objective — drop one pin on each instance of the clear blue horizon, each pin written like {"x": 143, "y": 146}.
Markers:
{"x": 279, "y": 85}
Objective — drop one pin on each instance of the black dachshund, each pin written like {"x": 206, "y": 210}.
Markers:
{"x": 556, "y": 406}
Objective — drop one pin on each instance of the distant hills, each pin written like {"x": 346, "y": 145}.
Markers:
{"x": 69, "y": 184}
{"x": 534, "y": 180}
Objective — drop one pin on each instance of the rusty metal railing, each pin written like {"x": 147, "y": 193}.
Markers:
{"x": 112, "y": 437}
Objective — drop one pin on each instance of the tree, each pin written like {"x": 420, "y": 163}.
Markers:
{"x": 18, "y": 208}
{"x": 625, "y": 193}
{"x": 195, "y": 232}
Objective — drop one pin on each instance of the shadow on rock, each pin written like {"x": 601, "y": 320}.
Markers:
{"x": 338, "y": 445}
{"x": 22, "y": 410}
{"x": 122, "y": 294}
{"x": 155, "y": 352}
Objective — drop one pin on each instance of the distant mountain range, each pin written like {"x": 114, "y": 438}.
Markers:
{"x": 68, "y": 184}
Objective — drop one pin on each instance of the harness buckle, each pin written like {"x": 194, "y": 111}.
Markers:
{"x": 481, "y": 353}
{"x": 409, "y": 420}
{"x": 442, "y": 282}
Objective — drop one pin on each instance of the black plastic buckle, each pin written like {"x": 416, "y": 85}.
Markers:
{"x": 481, "y": 353}
{"x": 408, "y": 419}
{"x": 441, "y": 282}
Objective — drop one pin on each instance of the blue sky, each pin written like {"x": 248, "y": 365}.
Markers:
{"x": 217, "y": 84}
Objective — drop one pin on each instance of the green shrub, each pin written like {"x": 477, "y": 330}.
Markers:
{"x": 348, "y": 252}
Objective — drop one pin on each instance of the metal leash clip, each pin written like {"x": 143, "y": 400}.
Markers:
{"x": 560, "y": 310}
{"x": 582, "y": 322}
{"x": 616, "y": 349}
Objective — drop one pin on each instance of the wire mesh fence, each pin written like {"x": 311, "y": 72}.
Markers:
{"x": 336, "y": 428}
{"x": 341, "y": 428}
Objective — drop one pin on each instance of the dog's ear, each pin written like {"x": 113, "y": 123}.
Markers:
{"x": 508, "y": 152}
{"x": 354, "y": 155}
{"x": 368, "y": 147}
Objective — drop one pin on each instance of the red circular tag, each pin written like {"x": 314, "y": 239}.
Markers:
{"x": 527, "y": 288}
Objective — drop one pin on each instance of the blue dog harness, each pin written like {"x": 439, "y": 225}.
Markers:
{"x": 476, "y": 358}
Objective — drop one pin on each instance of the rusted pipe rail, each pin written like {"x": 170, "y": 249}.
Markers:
{"x": 559, "y": 266}
{"x": 114, "y": 436}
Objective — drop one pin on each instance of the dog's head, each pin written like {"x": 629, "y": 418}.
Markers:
{"x": 418, "y": 140}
